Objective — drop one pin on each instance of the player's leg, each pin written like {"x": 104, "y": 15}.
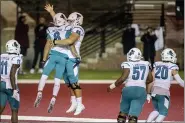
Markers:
{"x": 2, "y": 102}
{"x": 60, "y": 68}
{"x": 124, "y": 106}
{"x": 72, "y": 72}
{"x": 154, "y": 113}
{"x": 136, "y": 106}
{"x": 3, "y": 96}
{"x": 49, "y": 66}
{"x": 163, "y": 104}
{"x": 14, "y": 117}
{"x": 73, "y": 97}
{"x": 14, "y": 104}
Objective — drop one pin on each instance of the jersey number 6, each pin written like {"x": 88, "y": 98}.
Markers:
{"x": 57, "y": 36}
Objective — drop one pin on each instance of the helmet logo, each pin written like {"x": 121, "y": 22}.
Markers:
{"x": 15, "y": 44}
{"x": 62, "y": 16}
{"x": 170, "y": 53}
{"x": 131, "y": 52}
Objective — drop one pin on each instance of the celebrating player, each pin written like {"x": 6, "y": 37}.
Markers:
{"x": 136, "y": 74}
{"x": 10, "y": 64}
{"x": 164, "y": 70}
{"x": 57, "y": 58}
{"x": 75, "y": 19}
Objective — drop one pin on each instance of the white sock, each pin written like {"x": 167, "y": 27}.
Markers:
{"x": 79, "y": 100}
{"x": 42, "y": 82}
{"x": 53, "y": 99}
{"x": 152, "y": 116}
{"x": 160, "y": 119}
{"x": 73, "y": 99}
{"x": 39, "y": 93}
{"x": 56, "y": 87}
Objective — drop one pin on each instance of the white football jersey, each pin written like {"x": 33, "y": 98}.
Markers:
{"x": 7, "y": 60}
{"x": 163, "y": 74}
{"x": 79, "y": 30}
{"x": 138, "y": 73}
{"x": 59, "y": 33}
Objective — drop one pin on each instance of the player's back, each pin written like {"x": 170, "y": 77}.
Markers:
{"x": 163, "y": 74}
{"x": 7, "y": 60}
{"x": 138, "y": 73}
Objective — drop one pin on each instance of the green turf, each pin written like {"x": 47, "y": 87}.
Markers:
{"x": 87, "y": 75}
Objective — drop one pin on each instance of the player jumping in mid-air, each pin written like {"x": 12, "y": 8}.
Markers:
{"x": 75, "y": 19}
{"x": 136, "y": 74}
{"x": 10, "y": 64}
{"x": 164, "y": 71}
{"x": 57, "y": 58}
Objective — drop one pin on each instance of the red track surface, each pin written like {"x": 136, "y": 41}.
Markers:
{"x": 98, "y": 103}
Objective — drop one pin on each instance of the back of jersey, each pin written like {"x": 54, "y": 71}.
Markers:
{"x": 6, "y": 64}
{"x": 138, "y": 73}
{"x": 163, "y": 74}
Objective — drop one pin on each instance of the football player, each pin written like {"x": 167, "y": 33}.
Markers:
{"x": 135, "y": 76}
{"x": 164, "y": 71}
{"x": 9, "y": 91}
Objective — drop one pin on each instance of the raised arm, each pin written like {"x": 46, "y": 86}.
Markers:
{"x": 49, "y": 8}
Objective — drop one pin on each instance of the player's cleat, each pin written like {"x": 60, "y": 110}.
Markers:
{"x": 51, "y": 105}
{"x": 79, "y": 109}
{"x": 72, "y": 108}
{"x": 38, "y": 99}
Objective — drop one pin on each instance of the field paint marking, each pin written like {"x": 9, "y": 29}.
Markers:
{"x": 35, "y": 81}
{"x": 67, "y": 119}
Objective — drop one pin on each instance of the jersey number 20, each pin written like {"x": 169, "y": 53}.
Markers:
{"x": 4, "y": 65}
{"x": 139, "y": 73}
{"x": 161, "y": 72}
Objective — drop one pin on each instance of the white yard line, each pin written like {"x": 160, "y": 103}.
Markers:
{"x": 34, "y": 81}
{"x": 67, "y": 119}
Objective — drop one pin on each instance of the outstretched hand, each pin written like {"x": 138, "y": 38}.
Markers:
{"x": 48, "y": 8}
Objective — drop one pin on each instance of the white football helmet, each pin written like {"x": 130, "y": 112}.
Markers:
{"x": 12, "y": 46}
{"x": 75, "y": 19}
{"x": 169, "y": 55}
{"x": 59, "y": 19}
{"x": 134, "y": 54}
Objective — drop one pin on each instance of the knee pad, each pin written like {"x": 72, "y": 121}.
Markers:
{"x": 121, "y": 119}
{"x": 75, "y": 86}
{"x": 132, "y": 119}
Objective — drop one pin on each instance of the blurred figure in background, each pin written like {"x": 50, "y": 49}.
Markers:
{"x": 40, "y": 41}
{"x": 129, "y": 37}
{"x": 21, "y": 35}
{"x": 148, "y": 40}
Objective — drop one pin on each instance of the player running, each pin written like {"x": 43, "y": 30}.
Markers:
{"x": 75, "y": 20}
{"x": 136, "y": 74}
{"x": 57, "y": 58}
{"x": 9, "y": 92}
{"x": 164, "y": 71}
